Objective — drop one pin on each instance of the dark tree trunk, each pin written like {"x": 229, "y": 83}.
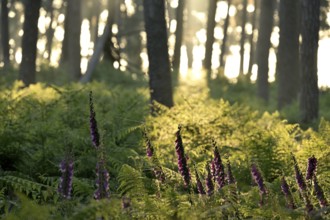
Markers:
{"x": 224, "y": 39}
{"x": 309, "y": 93}
{"x": 178, "y": 35}
{"x": 252, "y": 45}
{"x": 288, "y": 53}
{"x": 50, "y": 30}
{"x": 5, "y": 32}
{"x": 242, "y": 42}
{"x": 27, "y": 71}
{"x": 263, "y": 46}
{"x": 74, "y": 24}
{"x": 210, "y": 35}
{"x": 159, "y": 65}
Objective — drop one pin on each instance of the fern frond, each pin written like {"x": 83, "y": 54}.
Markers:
{"x": 130, "y": 181}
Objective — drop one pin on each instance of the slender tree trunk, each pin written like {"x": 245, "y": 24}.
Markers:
{"x": 309, "y": 93}
{"x": 98, "y": 49}
{"x": 178, "y": 35}
{"x": 5, "y": 32}
{"x": 288, "y": 53}
{"x": 27, "y": 71}
{"x": 210, "y": 36}
{"x": 74, "y": 23}
{"x": 65, "y": 45}
{"x": 109, "y": 52}
{"x": 252, "y": 45}
{"x": 50, "y": 30}
{"x": 159, "y": 66}
{"x": 244, "y": 17}
{"x": 225, "y": 34}
{"x": 263, "y": 46}
{"x": 189, "y": 35}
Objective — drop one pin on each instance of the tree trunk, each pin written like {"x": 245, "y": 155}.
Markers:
{"x": 189, "y": 34}
{"x": 178, "y": 35}
{"x": 242, "y": 42}
{"x": 74, "y": 24}
{"x": 159, "y": 66}
{"x": 252, "y": 45}
{"x": 65, "y": 46}
{"x": 210, "y": 36}
{"x": 224, "y": 39}
{"x": 98, "y": 49}
{"x": 288, "y": 53}
{"x": 50, "y": 30}
{"x": 5, "y": 32}
{"x": 27, "y": 71}
{"x": 309, "y": 92}
{"x": 109, "y": 52}
{"x": 263, "y": 46}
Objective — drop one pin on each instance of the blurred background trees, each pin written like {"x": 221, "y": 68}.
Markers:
{"x": 258, "y": 40}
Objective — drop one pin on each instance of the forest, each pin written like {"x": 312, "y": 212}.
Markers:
{"x": 164, "y": 109}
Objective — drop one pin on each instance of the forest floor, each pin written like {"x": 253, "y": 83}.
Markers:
{"x": 157, "y": 167}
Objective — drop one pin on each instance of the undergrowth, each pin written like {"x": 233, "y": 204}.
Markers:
{"x": 41, "y": 125}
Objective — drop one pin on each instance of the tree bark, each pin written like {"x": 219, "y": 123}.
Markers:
{"x": 109, "y": 52}
{"x": 224, "y": 39}
{"x": 74, "y": 28}
{"x": 159, "y": 66}
{"x": 263, "y": 46}
{"x": 288, "y": 53}
{"x": 50, "y": 30}
{"x": 309, "y": 92}
{"x": 178, "y": 35}
{"x": 5, "y": 32}
{"x": 252, "y": 45}
{"x": 65, "y": 46}
{"x": 27, "y": 71}
{"x": 98, "y": 49}
{"x": 242, "y": 42}
{"x": 210, "y": 36}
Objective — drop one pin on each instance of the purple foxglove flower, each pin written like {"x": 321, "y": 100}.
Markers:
{"x": 93, "y": 124}
{"x": 230, "y": 177}
{"x": 65, "y": 185}
{"x": 286, "y": 191}
{"x": 102, "y": 181}
{"x": 213, "y": 170}
{"x": 219, "y": 168}
{"x": 209, "y": 181}
{"x": 319, "y": 193}
{"x": 258, "y": 179}
{"x": 311, "y": 167}
{"x": 149, "y": 149}
{"x": 199, "y": 184}
{"x": 299, "y": 177}
{"x": 182, "y": 160}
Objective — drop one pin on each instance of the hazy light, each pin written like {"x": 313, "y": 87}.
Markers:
{"x": 20, "y": 33}
{"x": 11, "y": 14}
{"x": 59, "y": 33}
{"x": 174, "y": 3}
{"x": 61, "y": 18}
{"x": 85, "y": 38}
{"x": 250, "y": 8}
{"x": 18, "y": 55}
{"x": 222, "y": 7}
{"x": 173, "y": 25}
{"x": 83, "y": 64}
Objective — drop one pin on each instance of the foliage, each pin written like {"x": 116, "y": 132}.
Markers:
{"x": 41, "y": 124}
